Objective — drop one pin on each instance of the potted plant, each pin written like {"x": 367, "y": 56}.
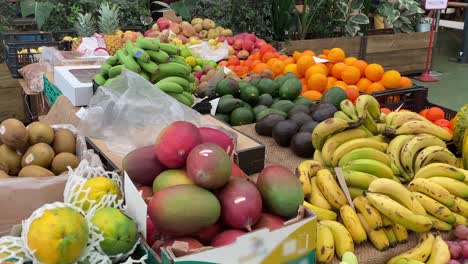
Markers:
{"x": 424, "y": 24}
{"x": 399, "y": 14}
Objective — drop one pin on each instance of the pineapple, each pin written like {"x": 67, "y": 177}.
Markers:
{"x": 109, "y": 25}
{"x": 85, "y": 26}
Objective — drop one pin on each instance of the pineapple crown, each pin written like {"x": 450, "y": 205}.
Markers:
{"x": 85, "y": 25}
{"x": 108, "y": 18}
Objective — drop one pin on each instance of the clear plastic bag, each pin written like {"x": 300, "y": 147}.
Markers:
{"x": 204, "y": 50}
{"x": 130, "y": 113}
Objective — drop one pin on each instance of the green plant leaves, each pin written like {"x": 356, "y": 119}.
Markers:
{"x": 360, "y": 19}
{"x": 40, "y": 10}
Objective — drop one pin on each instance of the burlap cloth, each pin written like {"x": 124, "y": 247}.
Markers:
{"x": 366, "y": 252}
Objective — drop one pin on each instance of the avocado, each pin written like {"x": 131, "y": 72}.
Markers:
{"x": 290, "y": 89}
{"x": 297, "y": 109}
{"x": 285, "y": 77}
{"x": 223, "y": 117}
{"x": 283, "y": 105}
{"x": 304, "y": 101}
{"x": 242, "y": 116}
{"x": 269, "y": 111}
{"x": 227, "y": 86}
{"x": 249, "y": 94}
{"x": 301, "y": 145}
{"x": 259, "y": 108}
{"x": 265, "y": 99}
{"x": 243, "y": 84}
{"x": 227, "y": 105}
{"x": 300, "y": 118}
{"x": 255, "y": 81}
{"x": 268, "y": 86}
{"x": 308, "y": 126}
{"x": 323, "y": 111}
{"x": 265, "y": 126}
{"x": 283, "y": 131}
{"x": 334, "y": 96}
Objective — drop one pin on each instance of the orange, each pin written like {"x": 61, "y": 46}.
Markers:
{"x": 283, "y": 57}
{"x": 322, "y": 56}
{"x": 351, "y": 75}
{"x": 289, "y": 60}
{"x": 435, "y": 113}
{"x": 326, "y": 52}
{"x": 354, "y": 87}
{"x": 266, "y": 48}
{"x": 336, "y": 55}
{"x": 317, "y": 82}
{"x": 324, "y": 67}
{"x": 391, "y": 79}
{"x": 338, "y": 69}
{"x": 259, "y": 67}
{"x": 361, "y": 65}
{"x": 331, "y": 81}
{"x": 374, "y": 72}
{"x": 255, "y": 56}
{"x": 304, "y": 63}
{"x": 340, "y": 84}
{"x": 296, "y": 55}
{"x": 350, "y": 61}
{"x": 442, "y": 123}
{"x": 363, "y": 84}
{"x": 452, "y": 123}
{"x": 315, "y": 69}
{"x": 308, "y": 53}
{"x": 375, "y": 87}
{"x": 267, "y": 56}
{"x": 423, "y": 112}
{"x": 385, "y": 110}
{"x": 277, "y": 67}
{"x": 312, "y": 95}
{"x": 352, "y": 94}
{"x": 405, "y": 82}
{"x": 290, "y": 68}
{"x": 234, "y": 61}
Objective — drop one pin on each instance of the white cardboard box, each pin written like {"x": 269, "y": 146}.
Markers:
{"x": 76, "y": 82}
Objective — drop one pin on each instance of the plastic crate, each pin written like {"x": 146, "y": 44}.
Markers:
{"x": 26, "y": 36}
{"x": 50, "y": 91}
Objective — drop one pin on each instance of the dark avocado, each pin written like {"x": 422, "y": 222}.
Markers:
{"x": 283, "y": 131}
{"x": 323, "y": 111}
{"x": 300, "y": 118}
{"x": 265, "y": 126}
{"x": 297, "y": 109}
{"x": 308, "y": 126}
{"x": 301, "y": 145}
{"x": 265, "y": 99}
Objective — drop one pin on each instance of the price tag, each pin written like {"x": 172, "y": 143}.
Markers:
{"x": 436, "y": 4}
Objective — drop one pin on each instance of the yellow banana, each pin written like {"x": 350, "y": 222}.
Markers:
{"x": 352, "y": 223}
{"x": 440, "y": 225}
{"x": 305, "y": 171}
{"x": 330, "y": 189}
{"x": 394, "y": 151}
{"x": 372, "y": 215}
{"x": 435, "y": 208}
{"x": 415, "y": 127}
{"x": 370, "y": 166}
{"x": 342, "y": 115}
{"x": 460, "y": 220}
{"x": 440, "y": 252}
{"x": 322, "y": 214}
{"x": 367, "y": 104}
{"x": 356, "y": 144}
{"x": 457, "y": 188}
{"x": 327, "y": 128}
{"x": 413, "y": 147}
{"x": 349, "y": 109}
{"x": 433, "y": 190}
{"x": 392, "y": 241}
{"x": 420, "y": 252}
{"x": 370, "y": 124}
{"x": 387, "y": 223}
{"x": 397, "y": 192}
{"x": 434, "y": 154}
{"x": 316, "y": 197}
{"x": 398, "y": 213}
{"x": 460, "y": 207}
{"x": 440, "y": 170}
{"x": 358, "y": 179}
{"x": 341, "y": 236}
{"x": 318, "y": 157}
{"x": 364, "y": 153}
{"x": 408, "y": 261}
{"x": 400, "y": 232}
{"x": 399, "y": 118}
{"x": 325, "y": 244}
{"x": 334, "y": 141}
{"x": 355, "y": 192}
{"x": 378, "y": 238}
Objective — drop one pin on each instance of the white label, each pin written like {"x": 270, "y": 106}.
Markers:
{"x": 214, "y": 106}
{"x": 29, "y": 158}
{"x": 436, "y": 4}
{"x": 2, "y": 130}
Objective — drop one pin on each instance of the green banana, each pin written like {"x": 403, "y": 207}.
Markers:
{"x": 169, "y": 48}
{"x": 179, "y": 80}
{"x": 367, "y": 104}
{"x": 354, "y": 144}
{"x": 334, "y": 141}
{"x": 168, "y": 87}
{"x": 365, "y": 153}
{"x": 158, "y": 56}
{"x": 349, "y": 109}
{"x": 373, "y": 167}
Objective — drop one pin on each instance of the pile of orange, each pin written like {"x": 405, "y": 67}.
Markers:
{"x": 349, "y": 73}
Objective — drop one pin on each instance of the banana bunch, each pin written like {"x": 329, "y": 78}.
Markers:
{"x": 411, "y": 123}
{"x": 430, "y": 249}
{"x": 410, "y": 153}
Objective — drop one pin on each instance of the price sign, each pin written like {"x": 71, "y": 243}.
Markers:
{"x": 436, "y": 4}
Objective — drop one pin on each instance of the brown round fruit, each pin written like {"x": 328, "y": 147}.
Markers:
{"x": 13, "y": 133}
{"x": 34, "y": 171}
{"x": 64, "y": 141}
{"x": 40, "y": 154}
{"x": 4, "y": 175}
{"x": 61, "y": 162}
{"x": 40, "y": 132}
{"x": 11, "y": 159}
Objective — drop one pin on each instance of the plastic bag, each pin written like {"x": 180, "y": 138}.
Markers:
{"x": 130, "y": 113}
{"x": 93, "y": 46}
{"x": 204, "y": 50}
{"x": 32, "y": 74}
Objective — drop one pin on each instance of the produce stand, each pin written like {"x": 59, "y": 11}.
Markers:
{"x": 352, "y": 45}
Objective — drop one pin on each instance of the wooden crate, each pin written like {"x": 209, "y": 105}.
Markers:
{"x": 351, "y": 45}
{"x": 405, "y": 52}
{"x": 11, "y": 99}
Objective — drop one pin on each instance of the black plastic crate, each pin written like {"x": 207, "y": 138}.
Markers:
{"x": 19, "y": 55}
{"x": 26, "y": 36}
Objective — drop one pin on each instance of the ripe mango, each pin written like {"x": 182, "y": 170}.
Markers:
{"x": 142, "y": 166}
{"x": 170, "y": 178}
{"x": 183, "y": 210}
{"x": 281, "y": 190}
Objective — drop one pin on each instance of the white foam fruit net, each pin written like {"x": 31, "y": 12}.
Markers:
{"x": 37, "y": 214}
{"x": 77, "y": 194}
{"x": 12, "y": 249}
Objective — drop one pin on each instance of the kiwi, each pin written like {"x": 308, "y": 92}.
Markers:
{"x": 40, "y": 132}
{"x": 62, "y": 161}
{"x": 4, "y": 175}
{"x": 11, "y": 159}
{"x": 34, "y": 171}
{"x": 40, "y": 154}
{"x": 64, "y": 141}
{"x": 13, "y": 133}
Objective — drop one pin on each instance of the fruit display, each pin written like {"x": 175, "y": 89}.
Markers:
{"x": 457, "y": 245}
{"x": 157, "y": 62}
{"x": 37, "y": 150}
{"x": 199, "y": 196}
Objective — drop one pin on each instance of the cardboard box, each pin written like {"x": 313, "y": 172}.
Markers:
{"x": 76, "y": 82}
{"x": 249, "y": 154}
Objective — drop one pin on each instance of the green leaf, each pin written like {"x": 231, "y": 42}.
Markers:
{"x": 182, "y": 10}
{"x": 407, "y": 28}
{"x": 28, "y": 7}
{"x": 342, "y": 7}
{"x": 360, "y": 19}
{"x": 351, "y": 29}
{"x": 43, "y": 10}
{"x": 357, "y": 4}
{"x": 405, "y": 20}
